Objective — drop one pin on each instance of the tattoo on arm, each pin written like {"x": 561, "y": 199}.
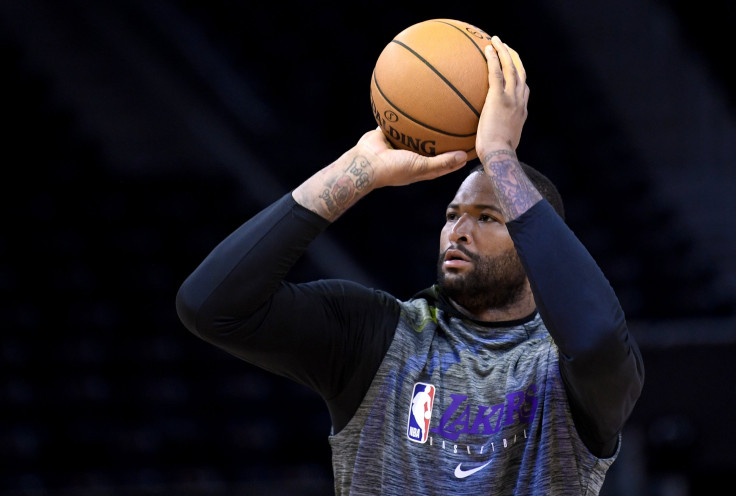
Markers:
{"x": 495, "y": 153}
{"x": 514, "y": 190}
{"x": 344, "y": 190}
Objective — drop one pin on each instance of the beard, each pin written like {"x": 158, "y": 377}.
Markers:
{"x": 493, "y": 283}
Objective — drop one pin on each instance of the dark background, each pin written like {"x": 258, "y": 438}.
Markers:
{"x": 140, "y": 133}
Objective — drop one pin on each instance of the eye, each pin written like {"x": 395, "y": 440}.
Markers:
{"x": 450, "y": 216}
{"x": 486, "y": 218}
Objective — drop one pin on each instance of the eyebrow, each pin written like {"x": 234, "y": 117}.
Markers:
{"x": 479, "y": 206}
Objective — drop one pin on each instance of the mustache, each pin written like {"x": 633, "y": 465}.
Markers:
{"x": 472, "y": 256}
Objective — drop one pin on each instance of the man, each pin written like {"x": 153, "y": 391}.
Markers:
{"x": 514, "y": 374}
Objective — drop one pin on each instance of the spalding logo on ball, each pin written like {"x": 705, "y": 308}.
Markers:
{"x": 429, "y": 85}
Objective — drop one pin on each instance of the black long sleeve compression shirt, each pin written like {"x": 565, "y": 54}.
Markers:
{"x": 331, "y": 335}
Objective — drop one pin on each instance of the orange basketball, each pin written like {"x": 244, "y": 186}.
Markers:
{"x": 429, "y": 85}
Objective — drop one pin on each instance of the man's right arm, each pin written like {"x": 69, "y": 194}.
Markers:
{"x": 244, "y": 270}
{"x": 317, "y": 333}
{"x": 323, "y": 334}
{"x": 242, "y": 273}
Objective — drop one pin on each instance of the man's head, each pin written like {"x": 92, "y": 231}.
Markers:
{"x": 478, "y": 267}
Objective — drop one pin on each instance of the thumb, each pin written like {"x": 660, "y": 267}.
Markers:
{"x": 433, "y": 167}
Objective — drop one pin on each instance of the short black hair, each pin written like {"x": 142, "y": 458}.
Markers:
{"x": 544, "y": 185}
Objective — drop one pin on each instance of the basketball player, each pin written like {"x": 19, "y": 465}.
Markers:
{"x": 518, "y": 358}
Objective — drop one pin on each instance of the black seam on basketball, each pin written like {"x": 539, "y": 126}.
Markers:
{"x": 424, "y": 125}
{"x": 465, "y": 33}
{"x": 457, "y": 92}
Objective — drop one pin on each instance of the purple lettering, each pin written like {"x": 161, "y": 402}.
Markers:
{"x": 461, "y": 424}
{"x": 484, "y": 421}
{"x": 457, "y": 400}
{"x": 519, "y": 407}
{"x": 514, "y": 402}
{"x": 524, "y": 403}
{"x": 529, "y": 408}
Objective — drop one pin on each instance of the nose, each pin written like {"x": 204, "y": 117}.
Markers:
{"x": 461, "y": 230}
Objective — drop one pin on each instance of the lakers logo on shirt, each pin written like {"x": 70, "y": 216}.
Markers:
{"x": 420, "y": 412}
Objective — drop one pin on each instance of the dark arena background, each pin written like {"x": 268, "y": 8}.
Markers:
{"x": 139, "y": 133}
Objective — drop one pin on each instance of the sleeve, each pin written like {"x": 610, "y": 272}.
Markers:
{"x": 600, "y": 362}
{"x": 324, "y": 334}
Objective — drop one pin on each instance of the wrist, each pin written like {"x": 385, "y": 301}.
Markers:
{"x": 496, "y": 151}
{"x": 337, "y": 187}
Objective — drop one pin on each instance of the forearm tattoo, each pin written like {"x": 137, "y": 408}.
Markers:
{"x": 341, "y": 192}
{"x": 515, "y": 192}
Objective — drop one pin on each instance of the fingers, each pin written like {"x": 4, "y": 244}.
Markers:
{"x": 517, "y": 63}
{"x": 495, "y": 74}
{"x": 433, "y": 167}
{"x": 508, "y": 65}
{"x": 504, "y": 65}
{"x": 505, "y": 109}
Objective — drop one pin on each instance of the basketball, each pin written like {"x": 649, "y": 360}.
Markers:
{"x": 429, "y": 85}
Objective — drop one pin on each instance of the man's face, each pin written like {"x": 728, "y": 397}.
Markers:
{"x": 478, "y": 266}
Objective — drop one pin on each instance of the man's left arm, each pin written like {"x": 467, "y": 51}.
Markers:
{"x": 600, "y": 362}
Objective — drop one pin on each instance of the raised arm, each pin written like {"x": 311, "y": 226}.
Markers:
{"x": 600, "y": 362}
{"x": 499, "y": 130}
{"x": 324, "y": 334}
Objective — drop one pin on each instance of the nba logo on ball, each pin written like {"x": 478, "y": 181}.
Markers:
{"x": 420, "y": 412}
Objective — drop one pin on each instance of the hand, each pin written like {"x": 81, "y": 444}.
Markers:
{"x": 393, "y": 167}
{"x": 505, "y": 109}
{"x": 372, "y": 163}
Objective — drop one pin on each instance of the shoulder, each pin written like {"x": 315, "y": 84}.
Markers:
{"x": 418, "y": 313}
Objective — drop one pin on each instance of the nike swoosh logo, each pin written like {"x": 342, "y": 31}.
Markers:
{"x": 461, "y": 474}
